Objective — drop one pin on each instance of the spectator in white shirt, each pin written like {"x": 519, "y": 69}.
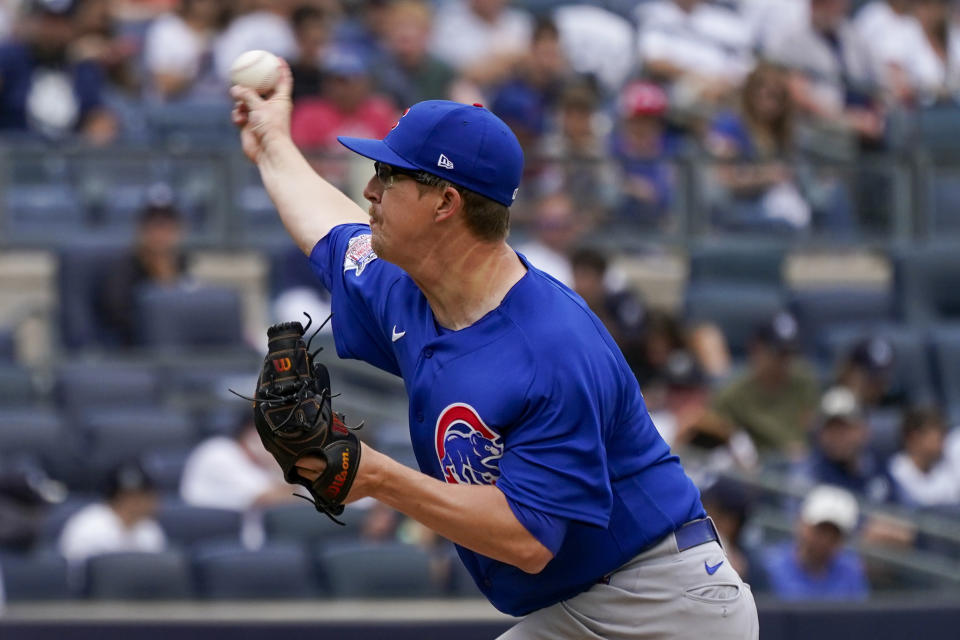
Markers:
{"x": 933, "y": 65}
{"x": 480, "y": 38}
{"x": 124, "y": 522}
{"x": 892, "y": 34}
{"x": 701, "y": 51}
{"x": 235, "y": 473}
{"x": 266, "y": 26}
{"x": 831, "y": 70}
{"x": 556, "y": 230}
{"x": 178, "y": 50}
{"x": 923, "y": 474}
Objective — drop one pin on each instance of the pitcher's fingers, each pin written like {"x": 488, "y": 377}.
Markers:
{"x": 247, "y": 96}
{"x": 284, "y": 86}
{"x": 239, "y": 116}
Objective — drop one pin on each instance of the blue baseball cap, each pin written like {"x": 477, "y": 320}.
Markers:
{"x": 465, "y": 144}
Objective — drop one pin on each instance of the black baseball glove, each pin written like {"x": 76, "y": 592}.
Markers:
{"x": 293, "y": 415}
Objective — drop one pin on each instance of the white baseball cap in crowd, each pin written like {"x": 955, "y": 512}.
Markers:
{"x": 829, "y": 504}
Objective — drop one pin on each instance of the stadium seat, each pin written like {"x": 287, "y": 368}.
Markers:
{"x": 57, "y": 515}
{"x": 82, "y": 267}
{"x": 925, "y": 282}
{"x": 735, "y": 309}
{"x": 302, "y": 523}
{"x": 289, "y": 268}
{"x": 943, "y": 193}
{"x": 177, "y": 317}
{"x": 186, "y": 525}
{"x": 117, "y": 435}
{"x": 261, "y": 224}
{"x": 737, "y": 263}
{"x": 945, "y": 343}
{"x": 191, "y": 124}
{"x": 911, "y": 369}
{"x": 139, "y": 576}
{"x": 7, "y": 345}
{"x": 41, "y": 211}
{"x": 16, "y": 385}
{"x": 84, "y": 384}
{"x": 818, "y": 309}
{"x": 938, "y": 127}
{"x": 39, "y": 576}
{"x": 463, "y": 585}
{"x": 165, "y": 467}
{"x": 35, "y": 432}
{"x": 377, "y": 570}
{"x": 231, "y": 572}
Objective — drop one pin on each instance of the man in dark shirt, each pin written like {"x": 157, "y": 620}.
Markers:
{"x": 41, "y": 90}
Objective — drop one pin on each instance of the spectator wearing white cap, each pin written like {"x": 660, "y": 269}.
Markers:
{"x": 840, "y": 455}
{"x": 816, "y": 565}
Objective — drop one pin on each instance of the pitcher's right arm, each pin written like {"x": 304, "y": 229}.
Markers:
{"x": 309, "y": 206}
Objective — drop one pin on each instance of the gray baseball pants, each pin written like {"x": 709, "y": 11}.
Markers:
{"x": 662, "y": 594}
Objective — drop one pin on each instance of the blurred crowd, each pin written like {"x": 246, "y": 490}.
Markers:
{"x": 757, "y": 85}
{"x": 616, "y": 91}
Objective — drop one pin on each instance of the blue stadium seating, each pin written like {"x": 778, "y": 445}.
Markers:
{"x": 276, "y": 571}
{"x": 206, "y": 317}
{"x": 82, "y": 267}
{"x": 83, "y": 384}
{"x": 57, "y": 515}
{"x": 925, "y": 280}
{"x": 377, "y": 570}
{"x": 31, "y": 431}
{"x": 41, "y": 576}
{"x": 735, "y": 309}
{"x": 186, "y": 525}
{"x": 192, "y": 124}
{"x": 118, "y": 435}
{"x": 7, "y": 345}
{"x": 139, "y": 576}
{"x": 42, "y": 212}
{"x": 302, "y": 523}
{"x": 16, "y": 385}
{"x": 732, "y": 262}
{"x": 165, "y": 467}
{"x": 945, "y": 344}
{"x": 817, "y": 310}
{"x": 912, "y": 373}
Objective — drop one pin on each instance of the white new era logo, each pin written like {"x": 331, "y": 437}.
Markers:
{"x": 444, "y": 162}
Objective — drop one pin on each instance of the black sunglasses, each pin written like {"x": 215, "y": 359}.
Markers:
{"x": 386, "y": 172}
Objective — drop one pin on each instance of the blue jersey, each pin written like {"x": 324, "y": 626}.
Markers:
{"x": 534, "y": 397}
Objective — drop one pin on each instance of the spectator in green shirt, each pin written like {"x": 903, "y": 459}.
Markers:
{"x": 773, "y": 401}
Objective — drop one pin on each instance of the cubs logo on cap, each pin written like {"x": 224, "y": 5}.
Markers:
{"x": 465, "y": 144}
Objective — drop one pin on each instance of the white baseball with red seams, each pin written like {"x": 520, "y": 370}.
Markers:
{"x": 256, "y": 69}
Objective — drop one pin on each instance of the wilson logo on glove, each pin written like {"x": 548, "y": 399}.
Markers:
{"x": 294, "y": 417}
{"x": 334, "y": 489}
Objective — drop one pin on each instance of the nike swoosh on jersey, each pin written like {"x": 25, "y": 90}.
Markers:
{"x": 398, "y": 334}
{"x": 711, "y": 570}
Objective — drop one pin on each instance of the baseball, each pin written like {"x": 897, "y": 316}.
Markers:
{"x": 255, "y": 69}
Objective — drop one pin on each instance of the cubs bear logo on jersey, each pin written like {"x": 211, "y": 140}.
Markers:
{"x": 468, "y": 450}
{"x": 359, "y": 254}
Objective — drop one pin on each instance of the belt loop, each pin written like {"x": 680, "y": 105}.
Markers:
{"x": 716, "y": 532}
